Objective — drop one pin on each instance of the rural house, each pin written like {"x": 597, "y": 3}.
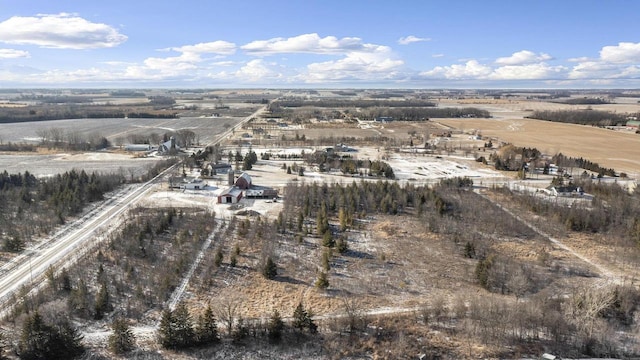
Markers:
{"x": 566, "y": 191}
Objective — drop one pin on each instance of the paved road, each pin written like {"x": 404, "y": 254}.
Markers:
{"x": 78, "y": 238}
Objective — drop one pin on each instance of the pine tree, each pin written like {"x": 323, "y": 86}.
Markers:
{"x": 325, "y": 260}
{"x": 217, "y": 260}
{"x": 276, "y": 327}
{"x": 166, "y": 332}
{"x": 34, "y": 338}
{"x": 40, "y": 340}
{"x": 302, "y": 319}
{"x": 103, "y": 303}
{"x": 341, "y": 245}
{"x": 122, "y": 339}
{"x": 183, "y": 327}
{"x": 78, "y": 301}
{"x": 65, "y": 341}
{"x": 270, "y": 270}
{"x": 322, "y": 282}
{"x": 65, "y": 281}
{"x": 207, "y": 328}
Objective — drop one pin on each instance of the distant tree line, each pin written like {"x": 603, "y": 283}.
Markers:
{"x": 331, "y": 160}
{"x": 60, "y": 112}
{"x": 567, "y": 162}
{"x": 420, "y": 114}
{"x": 583, "y": 117}
{"x": 586, "y": 101}
{"x": 337, "y": 103}
{"x": 58, "y": 99}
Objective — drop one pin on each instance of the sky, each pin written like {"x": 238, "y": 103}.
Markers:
{"x": 320, "y": 44}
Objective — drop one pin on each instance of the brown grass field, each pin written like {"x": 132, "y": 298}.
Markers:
{"x": 619, "y": 150}
{"x": 616, "y": 149}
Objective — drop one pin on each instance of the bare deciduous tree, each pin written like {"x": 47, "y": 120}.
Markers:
{"x": 227, "y": 311}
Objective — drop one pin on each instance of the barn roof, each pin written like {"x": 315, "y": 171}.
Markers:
{"x": 245, "y": 176}
{"x": 233, "y": 191}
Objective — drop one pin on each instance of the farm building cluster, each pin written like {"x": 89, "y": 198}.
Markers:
{"x": 235, "y": 190}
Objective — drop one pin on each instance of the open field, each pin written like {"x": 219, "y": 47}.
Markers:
{"x": 616, "y": 149}
{"x": 112, "y": 129}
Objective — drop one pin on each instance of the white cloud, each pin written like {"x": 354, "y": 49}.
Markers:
{"x": 224, "y": 63}
{"x": 435, "y": 56}
{"x": 624, "y": 52}
{"x": 411, "y": 39}
{"x": 539, "y": 71}
{"x": 523, "y": 57}
{"x": 214, "y": 47}
{"x": 307, "y": 43}
{"x": 615, "y": 62}
{"x": 62, "y": 31}
{"x": 472, "y": 69}
{"x": 13, "y": 54}
{"x": 255, "y": 71}
{"x": 378, "y": 62}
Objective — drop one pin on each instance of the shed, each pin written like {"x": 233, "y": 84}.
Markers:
{"x": 244, "y": 181}
{"x": 230, "y": 196}
{"x": 137, "y": 147}
{"x": 261, "y": 193}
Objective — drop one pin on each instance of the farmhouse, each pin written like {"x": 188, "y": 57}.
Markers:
{"x": 230, "y": 196}
{"x": 219, "y": 168}
{"x": 195, "y": 184}
{"x": 244, "y": 181}
{"x": 186, "y": 183}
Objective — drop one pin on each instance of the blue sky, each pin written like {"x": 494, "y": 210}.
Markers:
{"x": 328, "y": 44}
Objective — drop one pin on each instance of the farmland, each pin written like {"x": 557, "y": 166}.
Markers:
{"x": 438, "y": 257}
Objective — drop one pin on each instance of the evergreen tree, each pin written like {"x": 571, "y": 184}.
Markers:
{"x": 166, "y": 332}
{"x": 122, "y": 339}
{"x": 103, "y": 303}
{"x": 217, "y": 260}
{"x": 65, "y": 281}
{"x": 341, "y": 245}
{"x": 322, "y": 282}
{"x": 270, "y": 270}
{"x": 34, "y": 338}
{"x": 183, "y": 327}
{"x": 302, "y": 319}
{"x": 40, "y": 340}
{"x": 13, "y": 243}
{"x": 276, "y": 327}
{"x": 207, "y": 328}
{"x": 65, "y": 341}
{"x": 325, "y": 260}
{"x": 78, "y": 301}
